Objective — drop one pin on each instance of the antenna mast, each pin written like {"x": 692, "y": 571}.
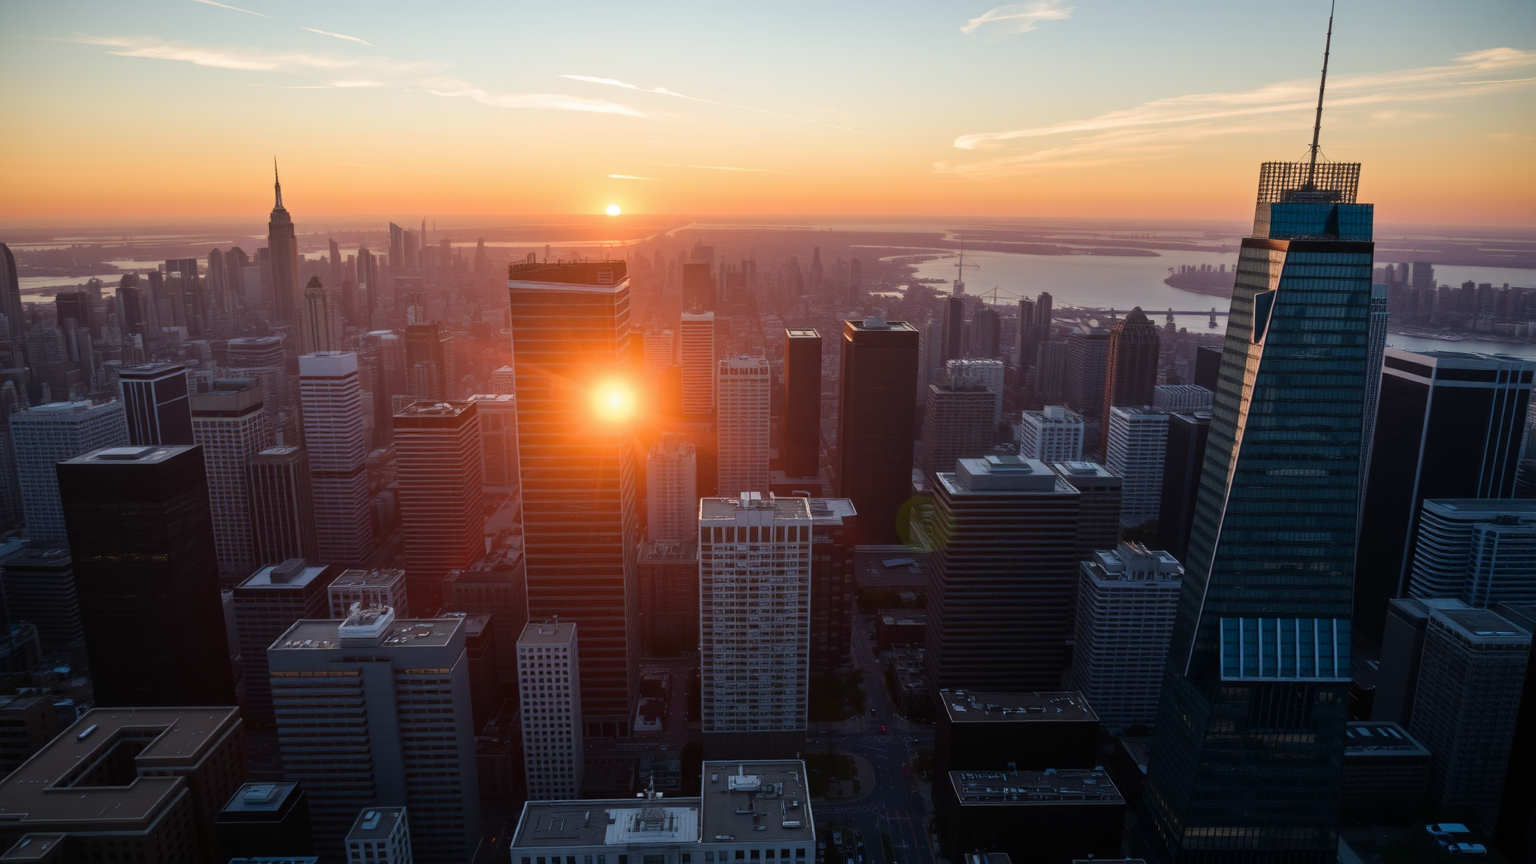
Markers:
{"x": 1317, "y": 126}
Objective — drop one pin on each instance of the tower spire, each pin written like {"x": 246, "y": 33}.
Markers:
{"x": 1317, "y": 125}
{"x": 277, "y": 185}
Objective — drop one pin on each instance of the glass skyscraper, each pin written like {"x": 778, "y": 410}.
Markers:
{"x": 1247, "y": 762}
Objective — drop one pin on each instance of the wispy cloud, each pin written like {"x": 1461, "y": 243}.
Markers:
{"x": 629, "y": 177}
{"x": 662, "y": 91}
{"x": 231, "y": 8}
{"x": 716, "y": 168}
{"x": 1005, "y": 21}
{"x": 553, "y": 101}
{"x": 339, "y": 36}
{"x": 245, "y": 57}
{"x": 1167, "y": 124}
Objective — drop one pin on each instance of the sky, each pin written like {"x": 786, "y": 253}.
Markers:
{"x": 1047, "y": 108}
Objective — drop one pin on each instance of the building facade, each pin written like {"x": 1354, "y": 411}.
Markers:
{"x": 549, "y": 681}
{"x": 43, "y": 437}
{"x": 1054, "y": 434}
{"x": 1126, "y": 601}
{"x": 337, "y": 442}
{"x": 442, "y": 508}
{"x": 231, "y": 426}
{"x": 281, "y": 506}
{"x": 876, "y": 423}
{"x": 1138, "y": 444}
{"x": 743, "y": 390}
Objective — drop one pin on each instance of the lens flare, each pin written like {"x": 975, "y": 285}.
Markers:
{"x": 613, "y": 210}
{"x": 614, "y": 402}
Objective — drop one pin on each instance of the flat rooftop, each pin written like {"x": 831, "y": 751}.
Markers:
{"x": 975, "y": 706}
{"x": 726, "y": 510}
{"x": 873, "y": 323}
{"x": 611, "y": 822}
{"x": 39, "y": 556}
{"x": 260, "y": 798}
{"x": 64, "y": 781}
{"x": 896, "y": 568}
{"x": 1472, "y": 508}
{"x": 755, "y": 801}
{"x": 605, "y": 276}
{"x": 368, "y": 578}
{"x": 323, "y": 633}
{"x": 547, "y": 633}
{"x": 295, "y": 573}
{"x": 831, "y": 510}
{"x": 1376, "y": 738}
{"x": 669, "y": 550}
{"x": 1482, "y": 626}
{"x": 376, "y": 823}
{"x": 152, "y": 455}
{"x": 1023, "y": 788}
{"x": 802, "y": 333}
{"x": 427, "y": 408}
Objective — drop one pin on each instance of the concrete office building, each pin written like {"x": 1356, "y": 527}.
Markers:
{"x": 549, "y": 681}
{"x": 373, "y": 711}
{"x": 754, "y": 623}
{"x": 156, "y": 403}
{"x": 1130, "y": 372}
{"x": 1181, "y": 398}
{"x": 876, "y": 423}
{"x": 381, "y": 835}
{"x": 498, "y": 439}
{"x": 1098, "y": 520}
{"x": 39, "y": 586}
{"x": 1126, "y": 601}
{"x": 1138, "y": 444}
{"x": 1402, "y": 650}
{"x": 570, "y": 342}
{"x": 723, "y": 825}
{"x": 988, "y": 373}
{"x": 1086, "y": 369}
{"x": 229, "y": 423}
{"x": 337, "y": 444}
{"x": 281, "y": 506}
{"x": 320, "y": 324}
{"x": 142, "y": 541}
{"x": 366, "y": 589}
{"x": 1466, "y": 704}
{"x": 266, "y": 605}
{"x": 696, "y": 355}
{"x": 957, "y": 423}
{"x": 127, "y": 784}
{"x": 46, "y": 435}
{"x": 441, "y": 494}
{"x": 1005, "y": 538}
{"x": 743, "y": 391}
{"x": 672, "y": 490}
{"x": 834, "y": 523}
{"x": 1054, "y": 434}
{"x": 1478, "y": 550}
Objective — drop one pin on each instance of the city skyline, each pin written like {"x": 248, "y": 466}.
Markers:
{"x": 1044, "y": 108}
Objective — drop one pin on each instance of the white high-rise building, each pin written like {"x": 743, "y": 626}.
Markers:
{"x": 230, "y": 424}
{"x": 1138, "y": 445}
{"x": 742, "y": 424}
{"x": 1181, "y": 398}
{"x": 1052, "y": 435}
{"x": 671, "y": 490}
{"x": 549, "y": 682}
{"x": 1126, "y": 602}
{"x": 381, "y": 835}
{"x": 337, "y": 441}
{"x": 987, "y": 373}
{"x": 754, "y": 624}
{"x": 696, "y": 348}
{"x": 374, "y": 711}
{"x": 47, "y": 435}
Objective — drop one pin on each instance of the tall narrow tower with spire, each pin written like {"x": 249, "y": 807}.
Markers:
{"x": 1246, "y": 765}
{"x": 283, "y": 246}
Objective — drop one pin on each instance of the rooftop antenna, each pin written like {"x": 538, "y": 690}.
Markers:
{"x": 1317, "y": 125}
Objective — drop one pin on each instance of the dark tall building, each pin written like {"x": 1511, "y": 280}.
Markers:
{"x": 284, "y": 250}
{"x": 953, "y": 344}
{"x": 265, "y": 819}
{"x": 40, "y": 589}
{"x": 1182, "y": 463}
{"x": 698, "y": 287}
{"x": 1516, "y": 828}
{"x": 1207, "y": 366}
{"x": 1251, "y": 729}
{"x": 986, "y": 334}
{"x": 833, "y": 521}
{"x": 430, "y": 372}
{"x": 282, "y": 510}
{"x": 10, "y": 295}
{"x": 957, "y": 423}
{"x": 1034, "y": 327}
{"x": 1050, "y": 373}
{"x": 1450, "y": 425}
{"x": 157, "y": 404}
{"x": 1087, "y": 364}
{"x": 570, "y": 339}
{"x": 876, "y": 424}
{"x": 1131, "y": 368}
{"x": 801, "y": 447}
{"x": 141, "y": 535}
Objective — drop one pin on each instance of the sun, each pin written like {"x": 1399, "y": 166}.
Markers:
{"x": 613, "y": 210}
{"x": 613, "y": 401}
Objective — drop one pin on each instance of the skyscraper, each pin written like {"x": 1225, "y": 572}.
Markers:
{"x": 1138, "y": 444}
{"x": 335, "y": 682}
{"x": 957, "y": 423}
{"x": 671, "y": 490}
{"x": 877, "y": 413}
{"x": 1450, "y": 425}
{"x": 156, "y": 404}
{"x": 281, "y": 506}
{"x": 1375, "y": 353}
{"x": 696, "y": 346}
{"x": 47, "y": 435}
{"x": 549, "y": 681}
{"x": 745, "y": 389}
{"x": 320, "y": 325}
{"x": 991, "y": 374}
{"x": 1126, "y": 601}
{"x": 1087, "y": 365}
{"x": 267, "y": 603}
{"x": 430, "y": 369}
{"x": 284, "y": 250}
{"x": 1182, "y": 463}
{"x": 570, "y": 329}
{"x": 834, "y": 524}
{"x": 370, "y": 283}
{"x": 953, "y": 332}
{"x": 1482, "y": 552}
{"x": 10, "y": 294}
{"x": 986, "y": 334}
{"x": 1262, "y": 571}
{"x": 1034, "y": 327}
{"x": 230, "y": 425}
{"x": 338, "y": 457}
{"x": 1005, "y": 533}
{"x": 142, "y": 541}
{"x": 498, "y": 438}
{"x": 39, "y": 584}
{"x": 442, "y": 476}
{"x": 1052, "y": 435}
{"x": 754, "y": 625}
{"x": 801, "y": 442}
{"x": 1131, "y": 366}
